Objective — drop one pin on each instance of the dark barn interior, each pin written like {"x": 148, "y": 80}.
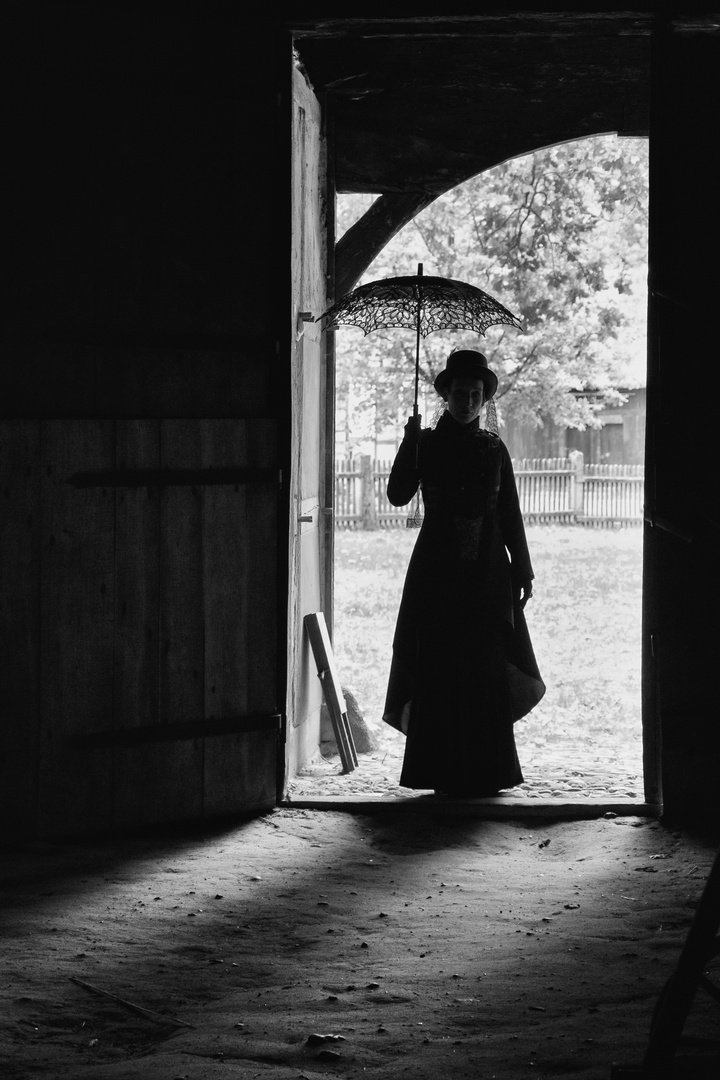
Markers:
{"x": 166, "y": 434}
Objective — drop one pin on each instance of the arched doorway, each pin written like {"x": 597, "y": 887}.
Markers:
{"x": 589, "y": 580}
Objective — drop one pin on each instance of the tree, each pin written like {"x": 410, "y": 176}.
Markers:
{"x": 558, "y": 236}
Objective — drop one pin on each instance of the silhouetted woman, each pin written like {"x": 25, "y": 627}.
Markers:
{"x": 463, "y": 668}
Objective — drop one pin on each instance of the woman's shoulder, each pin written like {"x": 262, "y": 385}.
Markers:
{"x": 491, "y": 441}
{"x": 481, "y": 437}
{"x": 504, "y": 453}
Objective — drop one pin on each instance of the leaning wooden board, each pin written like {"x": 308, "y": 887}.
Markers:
{"x": 334, "y": 698}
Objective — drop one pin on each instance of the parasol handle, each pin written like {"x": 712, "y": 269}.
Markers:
{"x": 417, "y": 338}
{"x": 417, "y": 356}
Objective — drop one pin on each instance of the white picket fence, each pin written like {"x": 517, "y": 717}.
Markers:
{"x": 551, "y": 490}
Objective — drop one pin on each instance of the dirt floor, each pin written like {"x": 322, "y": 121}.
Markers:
{"x": 416, "y": 940}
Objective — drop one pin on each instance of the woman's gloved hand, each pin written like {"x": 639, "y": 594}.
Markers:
{"x": 524, "y": 591}
{"x": 413, "y": 427}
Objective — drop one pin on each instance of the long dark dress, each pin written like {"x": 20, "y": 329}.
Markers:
{"x": 463, "y": 668}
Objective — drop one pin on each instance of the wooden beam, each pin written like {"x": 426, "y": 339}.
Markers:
{"x": 132, "y": 478}
{"x": 172, "y": 732}
{"x": 357, "y": 248}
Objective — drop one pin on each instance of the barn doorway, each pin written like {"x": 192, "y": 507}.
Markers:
{"x": 585, "y": 739}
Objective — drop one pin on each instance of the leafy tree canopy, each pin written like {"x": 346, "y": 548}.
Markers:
{"x": 559, "y": 236}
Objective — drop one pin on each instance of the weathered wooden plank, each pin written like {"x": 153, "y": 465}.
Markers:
{"x": 137, "y": 555}
{"x": 77, "y": 611}
{"x": 226, "y": 570}
{"x": 244, "y": 767}
{"x": 203, "y": 728}
{"x": 262, "y": 589}
{"x": 150, "y": 477}
{"x": 240, "y": 771}
{"x": 182, "y": 615}
{"x": 185, "y": 557}
{"x": 178, "y": 785}
{"x": 332, "y": 690}
{"x": 140, "y": 784}
{"x": 157, "y": 781}
{"x": 19, "y": 626}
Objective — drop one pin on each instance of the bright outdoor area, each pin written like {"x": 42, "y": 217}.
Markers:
{"x": 560, "y": 238}
{"x": 585, "y": 736}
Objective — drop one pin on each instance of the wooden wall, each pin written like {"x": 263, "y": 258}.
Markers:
{"x": 681, "y": 586}
{"x": 142, "y": 584}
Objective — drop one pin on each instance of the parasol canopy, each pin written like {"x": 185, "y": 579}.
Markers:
{"x": 419, "y": 303}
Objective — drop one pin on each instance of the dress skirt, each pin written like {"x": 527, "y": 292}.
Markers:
{"x": 460, "y": 676}
{"x": 463, "y": 668}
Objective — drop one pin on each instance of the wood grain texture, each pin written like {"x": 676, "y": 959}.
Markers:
{"x": 181, "y": 627}
{"x": 76, "y": 628}
{"x": 239, "y": 525}
{"x": 19, "y": 626}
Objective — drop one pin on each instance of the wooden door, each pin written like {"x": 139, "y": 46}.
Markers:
{"x": 681, "y": 587}
{"x": 139, "y": 468}
{"x": 308, "y": 519}
{"x": 196, "y": 500}
{"x": 138, "y": 605}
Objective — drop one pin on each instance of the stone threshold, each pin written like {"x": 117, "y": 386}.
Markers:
{"x": 491, "y": 808}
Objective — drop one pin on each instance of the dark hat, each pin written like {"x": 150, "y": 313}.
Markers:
{"x": 467, "y": 362}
